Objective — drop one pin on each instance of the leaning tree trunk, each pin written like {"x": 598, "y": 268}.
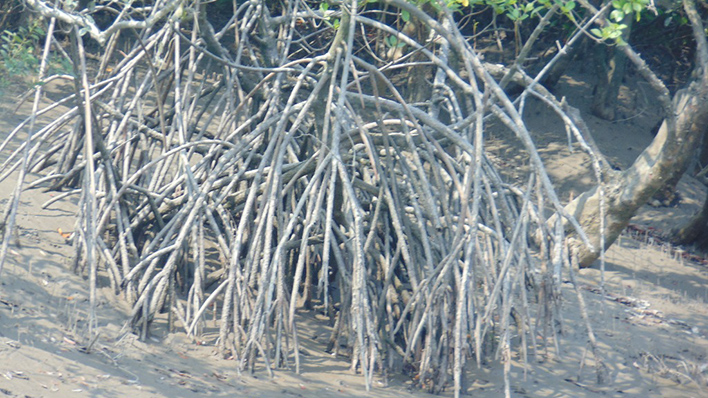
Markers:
{"x": 694, "y": 230}
{"x": 605, "y": 210}
{"x": 627, "y": 191}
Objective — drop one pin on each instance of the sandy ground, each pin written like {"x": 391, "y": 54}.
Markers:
{"x": 651, "y": 327}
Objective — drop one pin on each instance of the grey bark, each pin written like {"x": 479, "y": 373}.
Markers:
{"x": 627, "y": 191}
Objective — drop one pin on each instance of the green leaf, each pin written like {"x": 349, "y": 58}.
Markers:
{"x": 324, "y": 6}
{"x": 617, "y": 15}
{"x": 405, "y": 15}
{"x": 597, "y": 32}
{"x": 513, "y": 14}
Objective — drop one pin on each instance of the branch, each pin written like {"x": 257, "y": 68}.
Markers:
{"x": 698, "y": 33}
{"x": 84, "y": 22}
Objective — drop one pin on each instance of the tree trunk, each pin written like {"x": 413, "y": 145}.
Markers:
{"x": 659, "y": 164}
{"x": 610, "y": 65}
{"x": 694, "y": 232}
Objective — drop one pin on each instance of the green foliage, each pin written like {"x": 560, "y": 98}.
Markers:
{"x": 620, "y": 10}
{"x": 60, "y": 65}
{"x": 520, "y": 10}
{"x": 18, "y": 54}
{"x": 679, "y": 19}
{"x": 513, "y": 9}
{"x": 612, "y": 31}
{"x": 332, "y": 22}
{"x": 392, "y": 41}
